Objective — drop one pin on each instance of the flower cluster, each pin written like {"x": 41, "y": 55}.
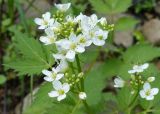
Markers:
{"x": 137, "y": 82}
{"x": 71, "y": 35}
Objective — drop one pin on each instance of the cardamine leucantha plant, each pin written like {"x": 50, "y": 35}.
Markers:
{"x": 71, "y": 89}
{"x": 71, "y": 36}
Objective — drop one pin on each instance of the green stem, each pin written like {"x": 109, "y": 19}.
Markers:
{"x": 76, "y": 106}
{"x": 78, "y": 64}
{"x": 87, "y": 107}
{"x": 72, "y": 67}
{"x": 136, "y": 96}
{"x": 31, "y": 87}
{"x": 80, "y": 70}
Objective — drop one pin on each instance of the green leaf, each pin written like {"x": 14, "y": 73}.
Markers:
{"x": 94, "y": 83}
{"x": 124, "y": 97}
{"x": 95, "y": 79}
{"x": 141, "y": 53}
{"x": 110, "y": 6}
{"x": 125, "y": 23}
{"x": 43, "y": 104}
{"x": 34, "y": 56}
{"x": 2, "y": 79}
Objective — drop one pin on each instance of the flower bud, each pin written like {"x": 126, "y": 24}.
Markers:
{"x": 82, "y": 95}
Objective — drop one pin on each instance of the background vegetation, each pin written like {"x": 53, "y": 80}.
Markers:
{"x": 135, "y": 39}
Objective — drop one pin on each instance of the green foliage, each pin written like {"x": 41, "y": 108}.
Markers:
{"x": 141, "y": 53}
{"x": 94, "y": 83}
{"x": 43, "y": 104}
{"x": 146, "y": 5}
{"x": 125, "y": 23}
{"x": 2, "y": 79}
{"x": 110, "y": 6}
{"x": 35, "y": 57}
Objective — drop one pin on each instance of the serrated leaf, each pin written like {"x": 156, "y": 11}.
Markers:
{"x": 34, "y": 56}
{"x": 27, "y": 66}
{"x": 141, "y": 53}
{"x": 125, "y": 23}
{"x": 110, "y": 6}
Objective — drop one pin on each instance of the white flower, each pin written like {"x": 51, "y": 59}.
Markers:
{"x": 151, "y": 79}
{"x": 100, "y": 37}
{"x": 103, "y": 21}
{"x": 44, "y": 22}
{"x": 147, "y": 92}
{"x": 82, "y": 95}
{"x": 72, "y": 47}
{"x": 55, "y": 27}
{"x": 60, "y": 90}
{"x": 84, "y": 40}
{"x": 52, "y": 75}
{"x": 138, "y": 68}
{"x": 87, "y": 23}
{"x": 119, "y": 82}
{"x": 71, "y": 19}
{"x": 63, "y": 66}
{"x": 50, "y": 38}
{"x": 63, "y": 7}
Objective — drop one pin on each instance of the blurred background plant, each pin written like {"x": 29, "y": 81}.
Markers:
{"x": 135, "y": 39}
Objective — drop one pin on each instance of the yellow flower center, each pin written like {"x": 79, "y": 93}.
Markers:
{"x": 73, "y": 46}
{"x": 45, "y": 22}
{"x": 148, "y": 92}
{"x": 100, "y": 37}
{"x": 82, "y": 40}
{"x": 52, "y": 39}
{"x": 61, "y": 92}
{"x": 54, "y": 75}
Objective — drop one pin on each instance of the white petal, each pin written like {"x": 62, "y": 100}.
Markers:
{"x": 63, "y": 66}
{"x": 150, "y": 97}
{"x": 88, "y": 43}
{"x": 151, "y": 79}
{"x": 59, "y": 76}
{"x": 45, "y": 40}
{"x": 66, "y": 87}
{"x": 46, "y": 16}
{"x": 57, "y": 85}
{"x": 80, "y": 49}
{"x": 73, "y": 37}
{"x": 154, "y": 91}
{"x": 118, "y": 82}
{"x": 146, "y": 86}
{"x": 46, "y": 72}
{"x": 63, "y": 7}
{"x": 58, "y": 56}
{"x": 49, "y": 32}
{"x": 38, "y": 21}
{"x": 131, "y": 71}
{"x": 51, "y": 22}
{"x": 142, "y": 94}
{"x": 61, "y": 97}
{"x": 70, "y": 55}
{"x": 53, "y": 94}
{"x": 49, "y": 79}
{"x": 145, "y": 66}
{"x": 54, "y": 70}
{"x": 42, "y": 27}
{"x": 63, "y": 43}
{"x": 98, "y": 42}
